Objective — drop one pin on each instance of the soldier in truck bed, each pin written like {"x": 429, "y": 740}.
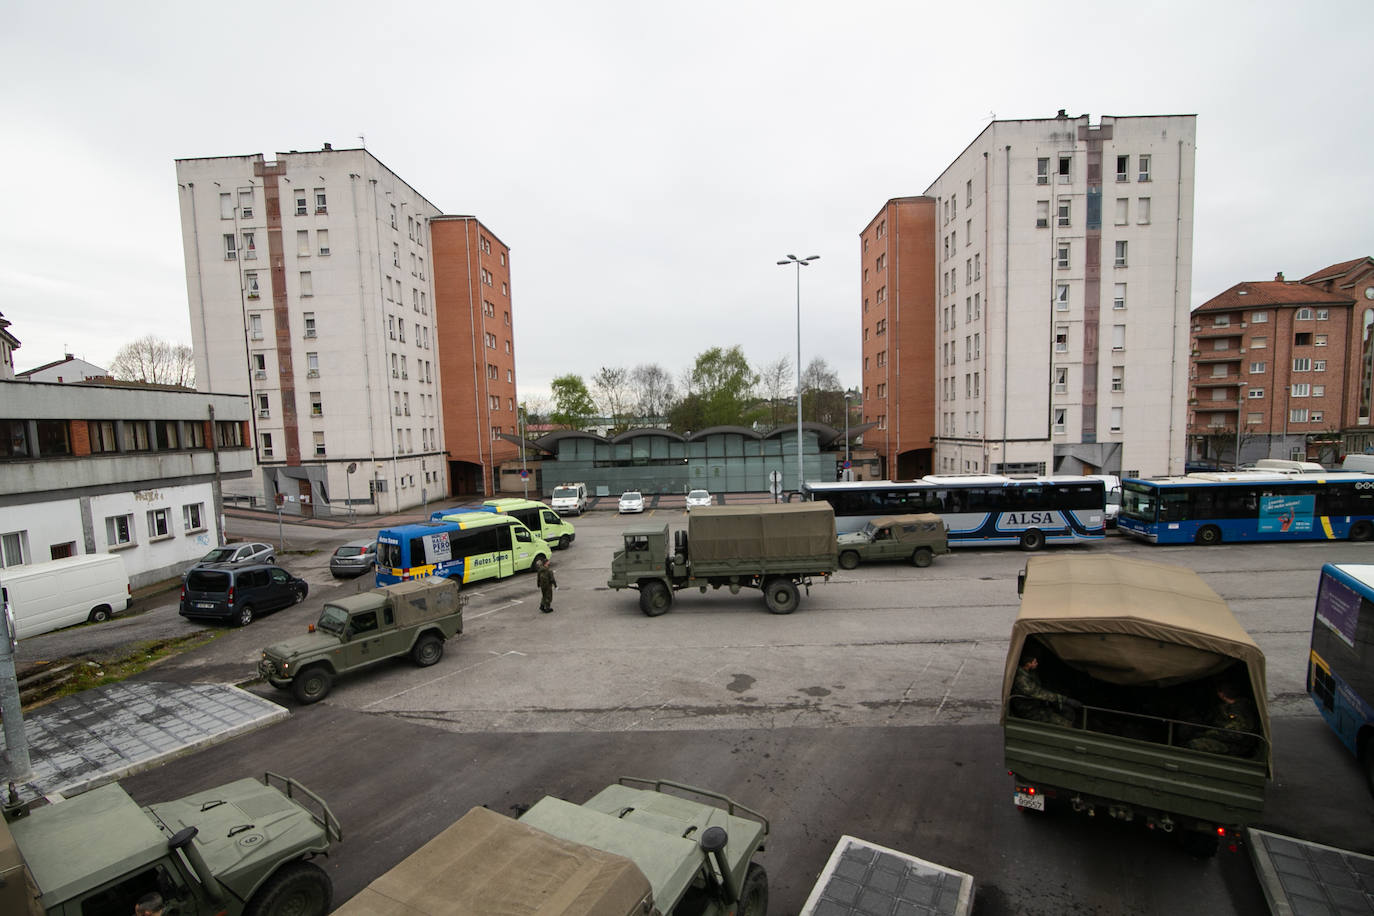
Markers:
{"x": 1232, "y": 724}
{"x": 1032, "y": 700}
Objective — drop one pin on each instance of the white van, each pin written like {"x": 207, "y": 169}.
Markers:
{"x": 569, "y": 497}
{"x": 47, "y": 596}
{"x": 1359, "y": 463}
{"x": 1111, "y": 485}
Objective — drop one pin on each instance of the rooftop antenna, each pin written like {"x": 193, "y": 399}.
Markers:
{"x": 363, "y": 140}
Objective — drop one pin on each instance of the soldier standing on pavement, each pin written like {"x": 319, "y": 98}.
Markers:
{"x": 547, "y": 583}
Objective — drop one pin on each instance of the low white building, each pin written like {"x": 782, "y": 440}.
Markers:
{"x": 110, "y": 468}
{"x": 1063, "y": 272}
{"x": 65, "y": 370}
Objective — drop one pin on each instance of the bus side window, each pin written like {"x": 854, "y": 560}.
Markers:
{"x": 417, "y": 552}
{"x": 1174, "y": 506}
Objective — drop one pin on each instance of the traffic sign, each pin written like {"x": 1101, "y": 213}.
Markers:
{"x": 524, "y": 475}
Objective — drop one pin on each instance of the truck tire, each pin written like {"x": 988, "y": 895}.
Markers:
{"x": 1208, "y": 535}
{"x": 922, "y": 557}
{"x": 753, "y": 893}
{"x": 244, "y": 617}
{"x": 654, "y": 598}
{"x": 1032, "y": 539}
{"x": 312, "y": 685}
{"x": 427, "y": 650}
{"x": 781, "y": 596}
{"x": 99, "y": 614}
{"x": 297, "y": 889}
{"x": 849, "y": 560}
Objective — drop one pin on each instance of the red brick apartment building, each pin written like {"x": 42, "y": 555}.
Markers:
{"x": 1282, "y": 368}
{"x": 898, "y": 290}
{"x": 476, "y": 348}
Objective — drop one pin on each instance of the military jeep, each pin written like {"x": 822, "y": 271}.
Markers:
{"x": 917, "y": 538}
{"x": 409, "y": 618}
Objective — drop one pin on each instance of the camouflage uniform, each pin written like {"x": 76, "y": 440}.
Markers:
{"x": 1043, "y": 705}
{"x": 1231, "y": 731}
{"x": 547, "y": 583}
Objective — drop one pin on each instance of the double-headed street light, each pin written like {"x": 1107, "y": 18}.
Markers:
{"x": 800, "y": 262}
{"x": 847, "y": 396}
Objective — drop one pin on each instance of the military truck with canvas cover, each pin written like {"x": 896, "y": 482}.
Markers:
{"x": 914, "y": 538}
{"x": 241, "y": 849}
{"x": 632, "y": 849}
{"x": 777, "y": 548}
{"x": 1139, "y": 653}
{"x": 412, "y": 618}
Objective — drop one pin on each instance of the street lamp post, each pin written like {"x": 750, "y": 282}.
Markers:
{"x": 524, "y": 473}
{"x": 847, "y": 396}
{"x": 800, "y": 262}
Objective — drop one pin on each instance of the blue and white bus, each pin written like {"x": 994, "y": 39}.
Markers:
{"x": 980, "y": 509}
{"x": 467, "y": 546}
{"x": 1340, "y": 668}
{"x": 1242, "y": 506}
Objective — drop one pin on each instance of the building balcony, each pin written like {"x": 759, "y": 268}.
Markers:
{"x": 1207, "y": 406}
{"x": 1208, "y": 332}
{"x": 1218, "y": 356}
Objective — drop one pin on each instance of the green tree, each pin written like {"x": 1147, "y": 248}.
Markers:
{"x": 572, "y": 402}
{"x": 724, "y": 382}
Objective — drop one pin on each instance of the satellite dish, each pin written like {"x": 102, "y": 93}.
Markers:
{"x": 352, "y": 466}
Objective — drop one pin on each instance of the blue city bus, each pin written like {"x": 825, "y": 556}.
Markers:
{"x": 1340, "y": 667}
{"x": 980, "y": 509}
{"x": 468, "y": 546}
{"x": 1243, "y": 506}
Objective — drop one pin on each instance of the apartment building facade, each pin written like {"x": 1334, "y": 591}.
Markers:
{"x": 1063, "y": 264}
{"x": 898, "y": 291}
{"x": 1282, "y": 368}
{"x": 475, "y": 345}
{"x": 309, "y": 281}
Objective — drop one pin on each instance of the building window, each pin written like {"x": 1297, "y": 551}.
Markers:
{"x": 264, "y": 407}
{"x": 1142, "y": 211}
{"x": 246, "y": 204}
{"x": 491, "y": 341}
{"x": 250, "y": 246}
{"x": 14, "y": 548}
{"x": 316, "y": 404}
{"x": 1259, "y": 317}
{"x": 226, "y": 206}
{"x": 1061, "y": 297}
{"x": 1116, "y": 415}
{"x": 401, "y": 330}
{"x": 1302, "y": 339}
{"x": 1145, "y": 167}
{"x": 1221, "y": 321}
{"x": 312, "y": 365}
{"x": 1122, "y": 211}
{"x": 159, "y": 525}
{"x": 1121, "y": 253}
{"x": 1318, "y": 365}
{"x": 1061, "y": 379}
{"x": 1061, "y": 338}
{"x": 1118, "y": 337}
{"x": 302, "y": 243}
{"x": 1259, "y": 343}
{"x": 1062, "y": 256}
{"x": 1318, "y": 340}
{"x": 882, "y": 358}
{"x": 193, "y": 517}
{"x": 319, "y": 445}
{"x": 1301, "y": 390}
{"x": 322, "y": 239}
{"x": 1118, "y": 378}
{"x": 266, "y": 439}
{"x": 1256, "y": 393}
{"x": 307, "y": 284}
{"x": 1318, "y": 391}
{"x": 396, "y": 257}
{"x": 1060, "y": 418}
{"x": 1123, "y": 168}
{"x": 968, "y": 193}
{"x": 250, "y": 285}
{"x": 1065, "y": 169}
{"x": 1257, "y": 368}
{"x": 1042, "y": 171}
{"x": 321, "y": 204}
{"x": 101, "y": 434}
{"x": 1323, "y": 314}
{"x": 1065, "y": 211}
{"x": 119, "y": 530}
{"x": 1254, "y": 419}
{"x": 977, "y": 267}
{"x": 301, "y": 209}
{"x": 1316, "y": 416}
{"x": 1042, "y": 214}
{"x": 1297, "y": 415}
{"x": 1302, "y": 364}
{"x": 231, "y": 249}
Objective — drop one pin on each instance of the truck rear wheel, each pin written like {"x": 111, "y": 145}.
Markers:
{"x": 312, "y": 684}
{"x": 427, "y": 650}
{"x": 781, "y": 596}
{"x": 297, "y": 889}
{"x": 654, "y": 598}
{"x": 922, "y": 557}
{"x": 849, "y": 559}
{"x": 753, "y": 894}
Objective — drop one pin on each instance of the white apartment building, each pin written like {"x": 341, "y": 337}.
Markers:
{"x": 1064, "y": 266}
{"x": 309, "y": 279}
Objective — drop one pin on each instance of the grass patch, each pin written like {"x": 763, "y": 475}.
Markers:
{"x": 73, "y": 675}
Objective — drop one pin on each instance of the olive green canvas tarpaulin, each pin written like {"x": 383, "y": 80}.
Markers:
{"x": 781, "y": 531}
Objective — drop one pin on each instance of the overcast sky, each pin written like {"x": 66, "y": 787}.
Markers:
{"x": 648, "y": 163}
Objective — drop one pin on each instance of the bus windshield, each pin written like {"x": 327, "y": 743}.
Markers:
{"x": 1138, "y": 501}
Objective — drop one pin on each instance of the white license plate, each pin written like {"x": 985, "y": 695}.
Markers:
{"x": 1034, "y": 802}
{"x": 204, "y": 604}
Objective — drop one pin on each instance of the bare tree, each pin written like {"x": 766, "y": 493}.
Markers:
{"x": 655, "y": 392}
{"x": 775, "y": 384}
{"x": 612, "y": 386}
{"x": 536, "y": 409}
{"x": 822, "y": 399}
{"x": 157, "y": 361}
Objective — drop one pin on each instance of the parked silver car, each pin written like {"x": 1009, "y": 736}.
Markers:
{"x": 631, "y": 501}
{"x": 240, "y": 552}
{"x": 353, "y": 559}
{"x": 699, "y": 498}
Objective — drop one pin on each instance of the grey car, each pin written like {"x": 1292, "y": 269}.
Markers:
{"x": 353, "y": 559}
{"x": 240, "y": 552}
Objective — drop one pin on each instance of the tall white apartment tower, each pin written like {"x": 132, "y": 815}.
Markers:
{"x": 1064, "y": 258}
{"x": 309, "y": 283}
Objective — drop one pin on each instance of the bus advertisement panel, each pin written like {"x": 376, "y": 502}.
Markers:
{"x": 468, "y": 546}
{"x": 1239, "y": 506}
{"x": 1340, "y": 670}
{"x": 981, "y": 509}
